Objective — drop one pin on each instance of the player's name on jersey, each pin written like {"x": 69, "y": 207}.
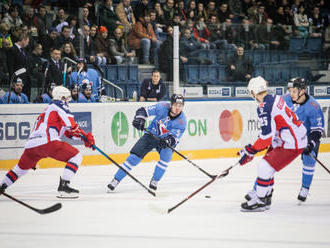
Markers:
{"x": 218, "y": 92}
{"x": 321, "y": 90}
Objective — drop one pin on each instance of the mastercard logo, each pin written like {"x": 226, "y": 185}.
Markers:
{"x": 230, "y": 125}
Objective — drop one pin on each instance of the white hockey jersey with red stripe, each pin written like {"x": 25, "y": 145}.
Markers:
{"x": 279, "y": 126}
{"x": 51, "y": 124}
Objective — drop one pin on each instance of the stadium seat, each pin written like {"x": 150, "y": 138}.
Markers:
{"x": 122, "y": 73}
{"x": 314, "y": 45}
{"x": 191, "y": 74}
{"x": 297, "y": 45}
{"x": 112, "y": 74}
{"x": 133, "y": 74}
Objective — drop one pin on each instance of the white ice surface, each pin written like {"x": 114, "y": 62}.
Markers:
{"x": 126, "y": 217}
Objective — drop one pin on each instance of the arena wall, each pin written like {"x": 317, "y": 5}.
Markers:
{"x": 215, "y": 129}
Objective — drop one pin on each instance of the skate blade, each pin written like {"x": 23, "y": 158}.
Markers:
{"x": 253, "y": 210}
{"x": 64, "y": 195}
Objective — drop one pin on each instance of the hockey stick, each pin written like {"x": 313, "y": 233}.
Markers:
{"x": 48, "y": 210}
{"x": 120, "y": 167}
{"x": 319, "y": 162}
{"x": 222, "y": 174}
{"x": 181, "y": 155}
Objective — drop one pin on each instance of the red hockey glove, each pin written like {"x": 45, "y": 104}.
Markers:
{"x": 75, "y": 131}
{"x": 90, "y": 142}
{"x": 246, "y": 154}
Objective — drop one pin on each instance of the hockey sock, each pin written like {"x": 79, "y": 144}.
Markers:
{"x": 132, "y": 160}
{"x": 307, "y": 175}
{"x": 71, "y": 167}
{"x": 159, "y": 170}
{"x": 263, "y": 187}
{"x": 13, "y": 175}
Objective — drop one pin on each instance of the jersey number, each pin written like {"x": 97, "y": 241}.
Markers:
{"x": 293, "y": 116}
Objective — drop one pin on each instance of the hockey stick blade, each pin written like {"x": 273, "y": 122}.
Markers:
{"x": 222, "y": 174}
{"x": 48, "y": 210}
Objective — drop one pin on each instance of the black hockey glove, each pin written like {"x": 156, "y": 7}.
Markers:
{"x": 140, "y": 119}
{"x": 313, "y": 144}
{"x": 167, "y": 141}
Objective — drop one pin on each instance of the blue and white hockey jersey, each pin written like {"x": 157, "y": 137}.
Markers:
{"x": 163, "y": 125}
{"x": 15, "y": 98}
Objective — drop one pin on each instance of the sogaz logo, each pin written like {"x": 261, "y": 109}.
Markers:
{"x": 119, "y": 128}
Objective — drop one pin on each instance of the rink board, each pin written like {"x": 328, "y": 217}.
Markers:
{"x": 215, "y": 129}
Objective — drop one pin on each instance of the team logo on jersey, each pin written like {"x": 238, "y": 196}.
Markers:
{"x": 119, "y": 129}
{"x": 162, "y": 126}
{"x": 230, "y": 125}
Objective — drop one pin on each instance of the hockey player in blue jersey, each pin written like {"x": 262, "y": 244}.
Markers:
{"x": 168, "y": 124}
{"x": 15, "y": 96}
{"x": 47, "y": 97}
{"x": 309, "y": 111}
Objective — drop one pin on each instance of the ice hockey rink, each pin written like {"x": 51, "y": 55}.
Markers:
{"x": 131, "y": 217}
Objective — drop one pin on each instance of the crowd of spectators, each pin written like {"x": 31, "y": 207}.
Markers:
{"x": 38, "y": 34}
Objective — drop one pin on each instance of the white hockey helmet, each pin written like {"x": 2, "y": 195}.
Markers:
{"x": 59, "y": 92}
{"x": 257, "y": 85}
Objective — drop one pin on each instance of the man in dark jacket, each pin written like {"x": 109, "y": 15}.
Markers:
{"x": 108, "y": 16}
{"x": 239, "y": 67}
{"x": 153, "y": 89}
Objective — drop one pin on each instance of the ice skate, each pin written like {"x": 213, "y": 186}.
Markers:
{"x": 254, "y": 205}
{"x": 153, "y": 184}
{"x": 302, "y": 195}
{"x": 64, "y": 191}
{"x": 113, "y": 184}
{"x": 268, "y": 199}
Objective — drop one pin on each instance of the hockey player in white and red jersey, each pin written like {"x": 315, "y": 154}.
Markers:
{"x": 284, "y": 136}
{"x": 45, "y": 141}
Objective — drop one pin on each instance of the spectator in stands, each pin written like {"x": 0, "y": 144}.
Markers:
{"x": 289, "y": 16}
{"x": 125, "y": 15}
{"x": 68, "y": 50}
{"x": 216, "y": 34}
{"x": 73, "y": 25}
{"x": 247, "y": 36}
{"x": 246, "y": 4}
{"x": 88, "y": 46}
{"x": 102, "y": 43}
{"x": 85, "y": 74}
{"x": 230, "y": 34}
{"x": 160, "y": 14}
{"x": 39, "y": 21}
{"x": 85, "y": 17}
{"x": 169, "y": 11}
{"x": 55, "y": 69}
{"x": 211, "y": 10}
{"x": 118, "y": 50}
{"x": 181, "y": 11}
{"x": 36, "y": 66}
{"x": 4, "y": 73}
{"x": 280, "y": 17}
{"x": 270, "y": 36}
{"x": 93, "y": 32}
{"x": 192, "y": 6}
{"x": 201, "y": 11}
{"x": 86, "y": 93}
{"x": 108, "y": 16}
{"x": 301, "y": 22}
{"x": 143, "y": 37}
{"x": 65, "y": 36}
{"x": 4, "y": 34}
{"x": 202, "y": 33}
{"x": 48, "y": 96}
{"x": 152, "y": 89}
{"x": 260, "y": 17}
{"x": 27, "y": 17}
{"x": 17, "y": 59}
{"x": 224, "y": 13}
{"x": 318, "y": 22}
{"x": 60, "y": 20}
{"x": 15, "y": 95}
{"x": 158, "y": 28}
{"x": 13, "y": 19}
{"x": 50, "y": 42}
{"x": 140, "y": 8}
{"x": 166, "y": 54}
{"x": 239, "y": 67}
